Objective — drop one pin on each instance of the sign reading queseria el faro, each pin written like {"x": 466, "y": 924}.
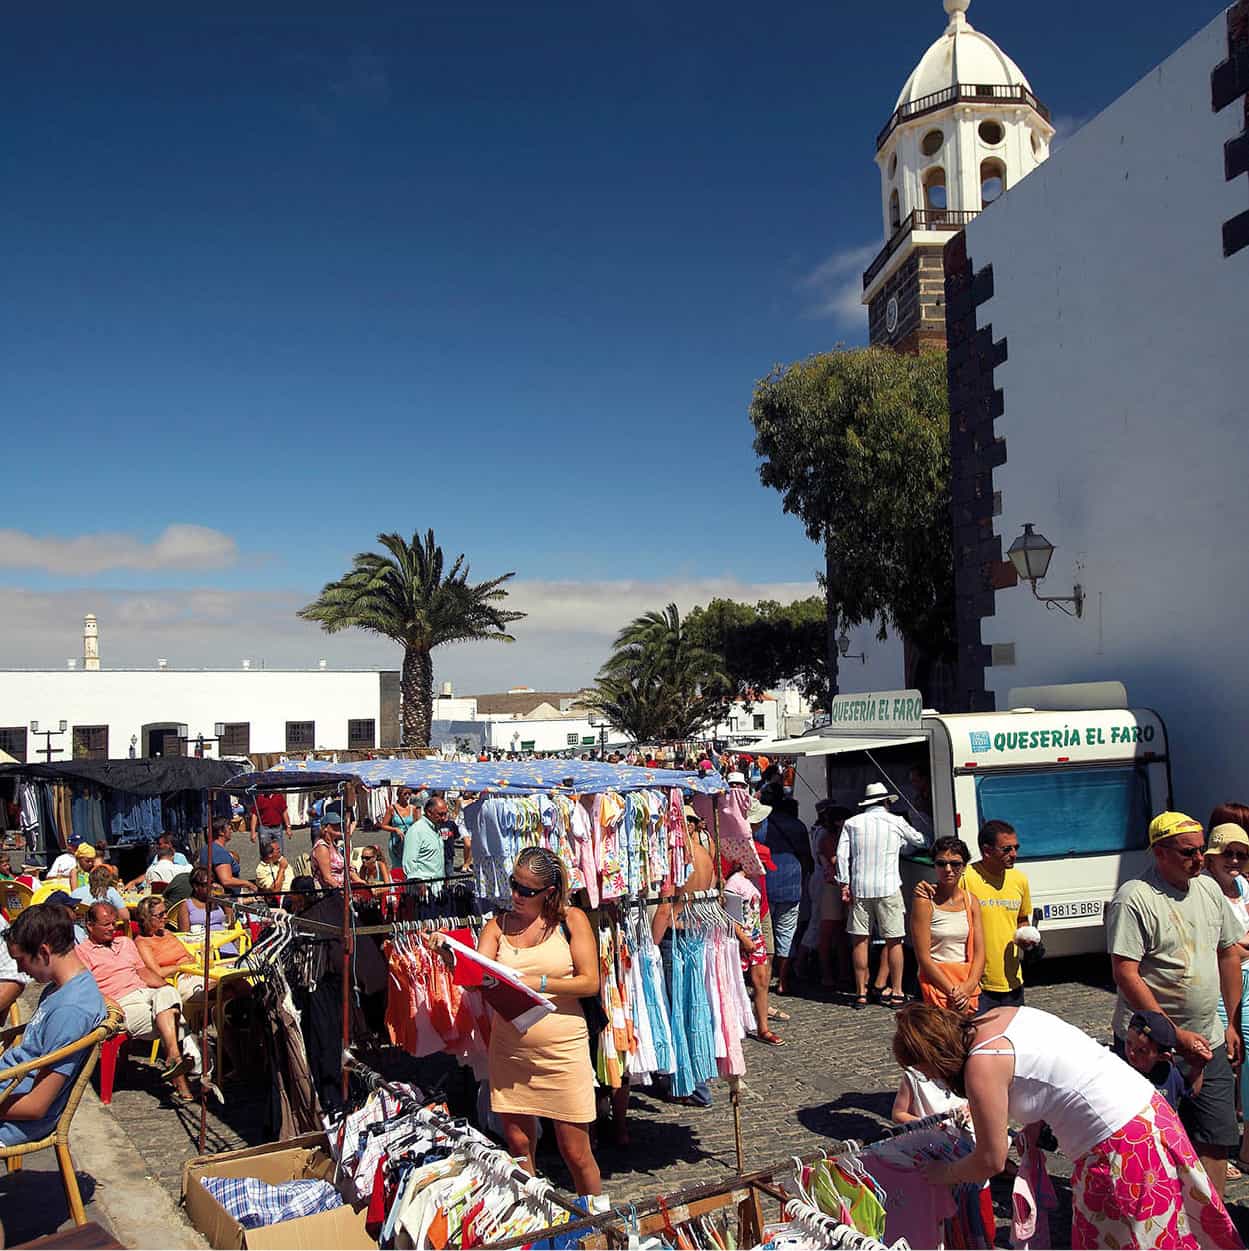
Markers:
{"x": 898, "y": 712}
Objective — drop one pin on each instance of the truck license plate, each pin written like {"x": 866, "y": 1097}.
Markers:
{"x": 1076, "y": 908}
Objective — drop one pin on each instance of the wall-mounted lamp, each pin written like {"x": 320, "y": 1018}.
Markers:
{"x": 1031, "y": 554}
{"x": 843, "y": 646}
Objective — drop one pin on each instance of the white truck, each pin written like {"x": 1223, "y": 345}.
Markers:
{"x": 1079, "y": 785}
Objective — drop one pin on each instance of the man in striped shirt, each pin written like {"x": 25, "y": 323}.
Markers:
{"x": 867, "y": 871}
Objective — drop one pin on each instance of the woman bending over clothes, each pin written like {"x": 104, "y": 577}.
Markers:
{"x": 1135, "y": 1180}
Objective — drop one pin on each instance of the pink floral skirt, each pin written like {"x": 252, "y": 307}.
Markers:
{"x": 1144, "y": 1186}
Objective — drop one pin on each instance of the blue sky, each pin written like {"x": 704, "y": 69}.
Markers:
{"x": 282, "y": 276}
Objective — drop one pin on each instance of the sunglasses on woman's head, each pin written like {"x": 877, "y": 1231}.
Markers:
{"x": 525, "y": 892}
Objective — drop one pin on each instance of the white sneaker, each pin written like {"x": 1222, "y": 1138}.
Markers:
{"x": 190, "y": 1049}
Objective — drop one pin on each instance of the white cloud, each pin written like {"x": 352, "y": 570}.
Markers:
{"x": 835, "y": 286}
{"x": 561, "y": 644}
{"x": 176, "y": 547}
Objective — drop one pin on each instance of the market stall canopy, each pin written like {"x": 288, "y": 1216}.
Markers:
{"x": 518, "y": 776}
{"x": 160, "y": 775}
{"x": 832, "y": 744}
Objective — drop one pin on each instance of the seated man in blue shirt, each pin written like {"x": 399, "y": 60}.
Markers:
{"x": 41, "y": 941}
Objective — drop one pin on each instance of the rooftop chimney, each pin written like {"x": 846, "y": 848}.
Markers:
{"x": 447, "y": 690}
{"x": 321, "y": 664}
{"x": 162, "y": 664}
{"x": 90, "y": 642}
{"x": 247, "y": 664}
{"x": 71, "y": 663}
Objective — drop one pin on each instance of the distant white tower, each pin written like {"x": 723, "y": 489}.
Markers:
{"x": 966, "y": 128}
{"x": 90, "y": 643}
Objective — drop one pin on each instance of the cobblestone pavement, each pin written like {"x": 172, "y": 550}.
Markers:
{"x": 834, "y": 1079}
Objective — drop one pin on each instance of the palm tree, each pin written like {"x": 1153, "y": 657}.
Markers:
{"x": 406, "y": 596}
{"x": 658, "y": 685}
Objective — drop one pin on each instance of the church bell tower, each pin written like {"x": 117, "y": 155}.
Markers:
{"x": 965, "y": 129}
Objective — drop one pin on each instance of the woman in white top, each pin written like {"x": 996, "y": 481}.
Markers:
{"x": 1227, "y": 857}
{"x": 947, "y": 934}
{"x": 1135, "y": 1181}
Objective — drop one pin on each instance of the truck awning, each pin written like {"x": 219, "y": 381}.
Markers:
{"x": 830, "y": 744}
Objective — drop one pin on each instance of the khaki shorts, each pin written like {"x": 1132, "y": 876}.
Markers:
{"x": 769, "y": 940}
{"x": 831, "y": 906}
{"x": 141, "y": 1008}
{"x": 886, "y": 912}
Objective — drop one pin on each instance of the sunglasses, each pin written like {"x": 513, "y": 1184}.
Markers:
{"x": 525, "y": 892}
{"x": 948, "y": 864}
{"x": 1189, "y": 853}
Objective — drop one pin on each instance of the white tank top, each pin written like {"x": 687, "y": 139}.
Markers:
{"x": 1082, "y": 1089}
{"x": 948, "y": 935}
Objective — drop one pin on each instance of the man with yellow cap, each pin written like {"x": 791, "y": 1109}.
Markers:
{"x": 85, "y": 856}
{"x": 1173, "y": 948}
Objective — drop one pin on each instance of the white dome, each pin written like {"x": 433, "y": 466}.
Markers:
{"x": 960, "y": 55}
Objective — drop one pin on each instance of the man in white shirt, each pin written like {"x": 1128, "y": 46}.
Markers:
{"x": 867, "y": 871}
{"x": 12, "y": 980}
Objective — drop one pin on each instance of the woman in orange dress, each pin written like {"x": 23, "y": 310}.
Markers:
{"x": 546, "y": 1070}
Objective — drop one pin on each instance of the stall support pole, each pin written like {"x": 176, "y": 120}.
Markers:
{"x": 734, "y": 1082}
{"x": 735, "y": 1097}
{"x": 203, "y": 1028}
{"x": 348, "y": 944}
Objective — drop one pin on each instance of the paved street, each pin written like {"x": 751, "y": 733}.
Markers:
{"x": 834, "y": 1079}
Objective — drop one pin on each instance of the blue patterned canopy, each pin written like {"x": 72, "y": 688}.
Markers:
{"x": 517, "y": 776}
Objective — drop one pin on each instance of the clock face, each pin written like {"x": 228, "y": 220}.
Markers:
{"x": 891, "y": 314}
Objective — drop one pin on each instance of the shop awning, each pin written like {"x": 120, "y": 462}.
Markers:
{"x": 831, "y": 744}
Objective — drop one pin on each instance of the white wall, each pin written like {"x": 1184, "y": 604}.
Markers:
{"x": 547, "y": 734}
{"x": 455, "y": 708}
{"x": 1126, "y": 423}
{"x": 126, "y": 700}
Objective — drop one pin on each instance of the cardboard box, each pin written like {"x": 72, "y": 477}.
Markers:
{"x": 339, "y": 1230}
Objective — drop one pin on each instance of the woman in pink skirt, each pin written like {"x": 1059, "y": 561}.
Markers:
{"x": 1136, "y": 1181}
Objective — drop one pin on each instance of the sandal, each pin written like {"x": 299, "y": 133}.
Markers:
{"x": 1238, "y": 1167}
{"x": 895, "y": 1001}
{"x": 775, "y": 1014}
{"x": 176, "y": 1069}
{"x": 177, "y": 1097}
{"x": 773, "y": 1040}
{"x": 860, "y": 1002}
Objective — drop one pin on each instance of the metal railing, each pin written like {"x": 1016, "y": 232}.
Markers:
{"x": 917, "y": 219}
{"x": 1016, "y": 94}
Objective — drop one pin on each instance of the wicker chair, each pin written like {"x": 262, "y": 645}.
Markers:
{"x": 59, "y": 1137}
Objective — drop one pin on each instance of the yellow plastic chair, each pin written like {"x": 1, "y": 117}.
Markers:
{"x": 14, "y": 896}
{"x": 58, "y": 1139}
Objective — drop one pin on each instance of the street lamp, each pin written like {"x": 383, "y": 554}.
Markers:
{"x": 1031, "y": 554}
{"x": 48, "y": 735}
{"x": 601, "y": 727}
{"x": 843, "y": 646}
{"x": 218, "y": 733}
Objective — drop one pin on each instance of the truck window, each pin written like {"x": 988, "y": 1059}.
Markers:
{"x": 1064, "y": 812}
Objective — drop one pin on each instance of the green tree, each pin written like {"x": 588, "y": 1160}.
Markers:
{"x": 764, "y": 644}
{"x": 409, "y": 595}
{"x": 658, "y": 684}
{"x": 857, "y": 443}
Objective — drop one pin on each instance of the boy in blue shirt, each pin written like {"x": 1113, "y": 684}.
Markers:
{"x": 1148, "y": 1048}
{"x": 41, "y": 942}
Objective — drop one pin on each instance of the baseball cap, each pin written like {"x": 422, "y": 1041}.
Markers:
{"x": 84, "y": 849}
{"x": 1156, "y": 1027}
{"x": 62, "y": 898}
{"x": 1225, "y": 834}
{"x": 1169, "y": 824}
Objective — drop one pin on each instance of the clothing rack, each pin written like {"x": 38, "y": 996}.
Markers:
{"x": 537, "y": 1186}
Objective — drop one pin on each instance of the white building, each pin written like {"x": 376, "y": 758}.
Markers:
{"x": 1103, "y": 303}
{"x": 162, "y": 711}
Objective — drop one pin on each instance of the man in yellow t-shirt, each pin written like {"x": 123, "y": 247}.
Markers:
{"x": 1005, "y": 905}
